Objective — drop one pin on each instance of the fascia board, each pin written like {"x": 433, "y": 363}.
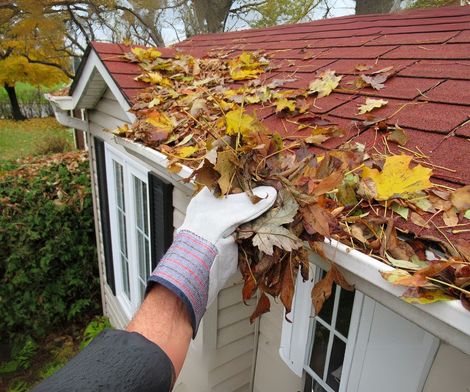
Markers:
{"x": 448, "y": 320}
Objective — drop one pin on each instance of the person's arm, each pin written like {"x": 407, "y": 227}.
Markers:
{"x": 150, "y": 354}
{"x": 163, "y": 319}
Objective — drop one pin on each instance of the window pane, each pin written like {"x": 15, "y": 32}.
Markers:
{"x": 138, "y": 202}
{"x": 141, "y": 255}
{"x": 327, "y": 309}
{"x": 311, "y": 385}
{"x": 125, "y": 276}
{"x": 119, "y": 185}
{"x": 147, "y": 259}
{"x": 320, "y": 346}
{"x": 122, "y": 232}
{"x": 336, "y": 363}
{"x": 345, "y": 306}
{"x": 145, "y": 208}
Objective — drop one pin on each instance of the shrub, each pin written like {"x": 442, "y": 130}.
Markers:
{"x": 53, "y": 145}
{"x": 48, "y": 265}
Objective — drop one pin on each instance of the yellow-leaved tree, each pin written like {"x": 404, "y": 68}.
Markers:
{"x": 30, "y": 42}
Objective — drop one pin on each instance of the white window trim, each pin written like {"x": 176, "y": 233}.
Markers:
{"x": 296, "y": 337}
{"x": 130, "y": 169}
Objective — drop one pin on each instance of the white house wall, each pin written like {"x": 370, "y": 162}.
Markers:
{"x": 271, "y": 373}
{"x": 220, "y": 359}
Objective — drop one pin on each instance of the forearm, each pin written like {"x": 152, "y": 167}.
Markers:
{"x": 163, "y": 319}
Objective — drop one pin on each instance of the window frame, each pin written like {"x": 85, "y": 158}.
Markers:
{"x": 131, "y": 169}
{"x": 296, "y": 337}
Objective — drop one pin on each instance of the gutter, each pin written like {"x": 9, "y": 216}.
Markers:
{"x": 62, "y": 105}
{"x": 447, "y": 320}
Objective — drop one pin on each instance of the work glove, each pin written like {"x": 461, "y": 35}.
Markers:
{"x": 204, "y": 254}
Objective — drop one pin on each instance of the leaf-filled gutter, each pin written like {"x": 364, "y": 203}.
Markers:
{"x": 201, "y": 113}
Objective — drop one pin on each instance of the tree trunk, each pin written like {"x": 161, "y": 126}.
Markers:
{"x": 211, "y": 14}
{"x": 374, "y": 6}
{"x": 15, "y": 107}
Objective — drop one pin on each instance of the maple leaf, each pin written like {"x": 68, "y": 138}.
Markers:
{"x": 144, "y": 55}
{"x": 226, "y": 168}
{"x": 371, "y": 104}
{"x": 154, "y": 78}
{"x": 246, "y": 66}
{"x": 396, "y": 179}
{"x": 376, "y": 82}
{"x": 269, "y": 231}
{"x": 285, "y": 104}
{"x": 238, "y": 122}
{"x": 327, "y": 82}
{"x": 161, "y": 121}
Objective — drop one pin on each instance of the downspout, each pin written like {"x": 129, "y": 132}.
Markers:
{"x": 255, "y": 355}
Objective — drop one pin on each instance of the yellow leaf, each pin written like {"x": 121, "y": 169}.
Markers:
{"x": 237, "y": 122}
{"x": 283, "y": 103}
{"x": 226, "y": 168}
{"x": 154, "y": 78}
{"x": 122, "y": 130}
{"x": 143, "y": 55}
{"x": 371, "y": 104}
{"x": 246, "y": 66}
{"x": 397, "y": 179}
{"x": 186, "y": 152}
{"x": 422, "y": 296}
{"x": 327, "y": 82}
{"x": 161, "y": 121}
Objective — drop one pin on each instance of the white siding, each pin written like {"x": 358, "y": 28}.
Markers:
{"x": 271, "y": 373}
{"x": 220, "y": 359}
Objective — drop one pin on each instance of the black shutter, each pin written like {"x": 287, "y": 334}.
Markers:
{"x": 104, "y": 211}
{"x": 161, "y": 216}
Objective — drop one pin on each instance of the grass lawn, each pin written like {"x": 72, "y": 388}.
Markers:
{"x": 19, "y": 139}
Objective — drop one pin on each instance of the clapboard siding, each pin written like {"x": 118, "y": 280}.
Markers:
{"x": 227, "y": 365}
{"x": 271, "y": 373}
{"x": 236, "y": 382}
{"x": 116, "y": 314}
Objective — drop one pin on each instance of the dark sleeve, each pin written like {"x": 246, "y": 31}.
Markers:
{"x": 114, "y": 361}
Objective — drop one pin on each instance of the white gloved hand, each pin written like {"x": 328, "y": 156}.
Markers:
{"x": 215, "y": 219}
{"x": 204, "y": 254}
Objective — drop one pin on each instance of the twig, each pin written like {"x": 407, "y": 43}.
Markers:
{"x": 448, "y": 284}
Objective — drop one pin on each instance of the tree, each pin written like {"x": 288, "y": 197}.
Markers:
{"x": 28, "y": 41}
{"x": 376, "y": 6}
{"x": 276, "y": 12}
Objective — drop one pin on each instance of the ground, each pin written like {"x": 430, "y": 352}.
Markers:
{"x": 19, "y": 139}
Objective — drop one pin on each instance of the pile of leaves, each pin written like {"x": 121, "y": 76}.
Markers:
{"x": 48, "y": 265}
{"x": 199, "y": 113}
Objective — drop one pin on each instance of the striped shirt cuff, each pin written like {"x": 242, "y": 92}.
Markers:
{"x": 184, "y": 269}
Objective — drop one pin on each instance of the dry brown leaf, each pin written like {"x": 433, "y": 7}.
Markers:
{"x": 263, "y": 306}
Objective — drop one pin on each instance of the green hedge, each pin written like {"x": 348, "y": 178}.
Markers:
{"x": 48, "y": 265}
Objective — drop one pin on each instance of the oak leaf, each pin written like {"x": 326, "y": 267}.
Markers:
{"x": 161, "y": 121}
{"x": 397, "y": 179}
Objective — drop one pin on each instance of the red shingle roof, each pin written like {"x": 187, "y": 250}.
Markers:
{"x": 429, "y": 91}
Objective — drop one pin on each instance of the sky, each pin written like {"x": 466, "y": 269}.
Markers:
{"x": 338, "y": 8}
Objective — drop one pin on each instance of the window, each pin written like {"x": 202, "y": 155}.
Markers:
{"x": 329, "y": 338}
{"x": 130, "y": 229}
{"x": 354, "y": 343}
